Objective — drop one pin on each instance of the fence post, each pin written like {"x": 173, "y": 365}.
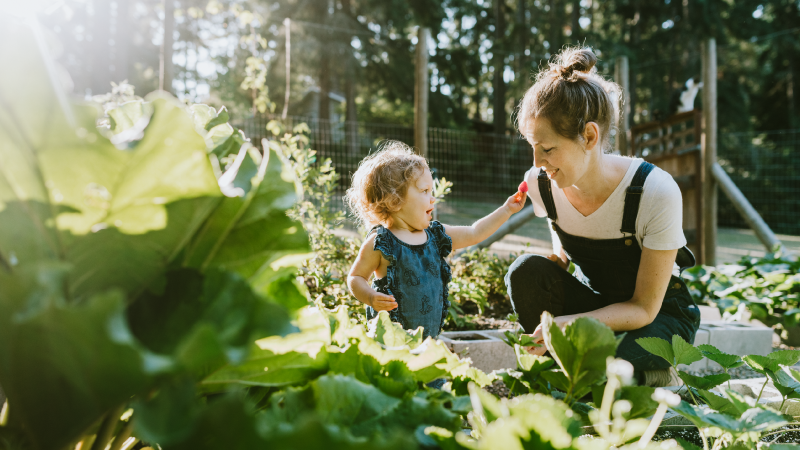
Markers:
{"x": 709, "y": 150}
{"x": 421, "y": 93}
{"x": 621, "y": 75}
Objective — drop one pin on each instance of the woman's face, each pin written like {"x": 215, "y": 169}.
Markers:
{"x": 565, "y": 160}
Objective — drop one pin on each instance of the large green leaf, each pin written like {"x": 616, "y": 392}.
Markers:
{"x": 67, "y": 193}
{"x": 706, "y": 382}
{"x": 685, "y": 353}
{"x": 581, "y": 350}
{"x": 264, "y": 368}
{"x": 346, "y": 402}
{"x": 755, "y": 419}
{"x": 723, "y": 359}
{"x": 393, "y": 335}
{"x": 205, "y": 320}
{"x": 249, "y": 234}
{"x": 641, "y": 398}
{"x": 658, "y": 347}
{"x": 64, "y": 366}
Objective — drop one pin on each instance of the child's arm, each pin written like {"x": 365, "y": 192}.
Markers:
{"x": 464, "y": 236}
{"x": 367, "y": 262}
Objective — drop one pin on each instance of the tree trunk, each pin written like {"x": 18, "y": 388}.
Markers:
{"x": 576, "y": 35}
{"x": 101, "y": 49}
{"x": 122, "y": 41}
{"x": 499, "y": 85}
{"x": 351, "y": 116}
{"x": 556, "y": 26}
{"x": 165, "y": 72}
{"x": 522, "y": 34}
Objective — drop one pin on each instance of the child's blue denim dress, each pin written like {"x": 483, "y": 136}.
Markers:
{"x": 417, "y": 277}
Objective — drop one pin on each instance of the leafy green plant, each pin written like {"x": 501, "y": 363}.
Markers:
{"x": 771, "y": 364}
{"x": 682, "y": 352}
{"x": 478, "y": 285}
{"x": 580, "y": 350}
{"x": 134, "y": 257}
{"x": 325, "y": 272}
{"x": 726, "y": 416}
{"x": 768, "y": 287}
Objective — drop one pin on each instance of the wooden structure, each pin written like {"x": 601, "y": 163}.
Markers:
{"x": 674, "y": 146}
{"x": 421, "y": 91}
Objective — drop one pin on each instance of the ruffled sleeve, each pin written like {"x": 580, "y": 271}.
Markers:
{"x": 383, "y": 242}
{"x": 443, "y": 242}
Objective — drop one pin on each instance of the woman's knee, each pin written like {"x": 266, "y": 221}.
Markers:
{"x": 527, "y": 270}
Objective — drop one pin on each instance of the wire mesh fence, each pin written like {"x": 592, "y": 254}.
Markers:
{"x": 766, "y": 168}
{"x": 487, "y": 168}
{"x": 483, "y": 167}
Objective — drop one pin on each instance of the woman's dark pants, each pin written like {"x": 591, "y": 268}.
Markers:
{"x": 536, "y": 284}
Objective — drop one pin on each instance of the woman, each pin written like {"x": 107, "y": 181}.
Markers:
{"x": 617, "y": 219}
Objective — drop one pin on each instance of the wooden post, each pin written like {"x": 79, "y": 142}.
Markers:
{"x": 287, "y": 25}
{"x": 621, "y": 75}
{"x": 421, "y": 88}
{"x": 165, "y": 69}
{"x": 709, "y": 150}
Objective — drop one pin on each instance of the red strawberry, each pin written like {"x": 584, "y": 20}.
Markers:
{"x": 523, "y": 187}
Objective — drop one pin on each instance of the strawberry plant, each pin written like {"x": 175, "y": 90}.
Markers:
{"x": 768, "y": 287}
{"x": 723, "y": 415}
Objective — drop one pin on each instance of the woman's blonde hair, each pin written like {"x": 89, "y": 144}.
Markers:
{"x": 380, "y": 184}
{"x": 570, "y": 93}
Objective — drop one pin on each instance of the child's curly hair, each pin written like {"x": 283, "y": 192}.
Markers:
{"x": 380, "y": 184}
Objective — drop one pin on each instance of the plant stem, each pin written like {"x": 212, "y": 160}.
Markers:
{"x": 605, "y": 407}
{"x": 653, "y": 427}
{"x": 703, "y": 435}
{"x": 762, "y": 390}
{"x": 122, "y": 436}
{"x": 781, "y": 408}
{"x": 107, "y": 428}
{"x": 729, "y": 380}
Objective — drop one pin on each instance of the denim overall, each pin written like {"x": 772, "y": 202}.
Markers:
{"x": 606, "y": 271}
{"x": 417, "y": 276}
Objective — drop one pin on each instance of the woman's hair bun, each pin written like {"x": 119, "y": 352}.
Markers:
{"x": 573, "y": 60}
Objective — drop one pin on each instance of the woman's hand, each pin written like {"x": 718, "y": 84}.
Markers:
{"x": 538, "y": 336}
{"x": 557, "y": 259}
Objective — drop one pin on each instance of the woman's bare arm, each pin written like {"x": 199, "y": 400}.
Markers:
{"x": 652, "y": 281}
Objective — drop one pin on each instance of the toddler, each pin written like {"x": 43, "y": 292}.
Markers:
{"x": 392, "y": 191}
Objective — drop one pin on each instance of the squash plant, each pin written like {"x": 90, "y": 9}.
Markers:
{"x": 130, "y": 257}
{"x": 768, "y": 287}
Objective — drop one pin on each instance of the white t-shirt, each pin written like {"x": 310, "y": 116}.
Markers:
{"x": 658, "y": 224}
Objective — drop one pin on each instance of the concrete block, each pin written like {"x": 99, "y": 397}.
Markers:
{"x": 738, "y": 338}
{"x": 485, "y": 348}
{"x": 709, "y": 313}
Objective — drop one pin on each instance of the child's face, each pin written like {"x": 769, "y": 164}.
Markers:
{"x": 415, "y": 214}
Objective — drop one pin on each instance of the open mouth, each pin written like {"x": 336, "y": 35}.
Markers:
{"x": 429, "y": 212}
{"x": 551, "y": 173}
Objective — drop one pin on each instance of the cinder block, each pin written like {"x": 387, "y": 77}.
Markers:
{"x": 738, "y": 338}
{"x": 485, "y": 348}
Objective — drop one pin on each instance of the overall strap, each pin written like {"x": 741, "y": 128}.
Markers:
{"x": 546, "y": 192}
{"x": 633, "y": 195}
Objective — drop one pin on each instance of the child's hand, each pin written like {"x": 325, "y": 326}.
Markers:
{"x": 516, "y": 202}
{"x": 382, "y": 302}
